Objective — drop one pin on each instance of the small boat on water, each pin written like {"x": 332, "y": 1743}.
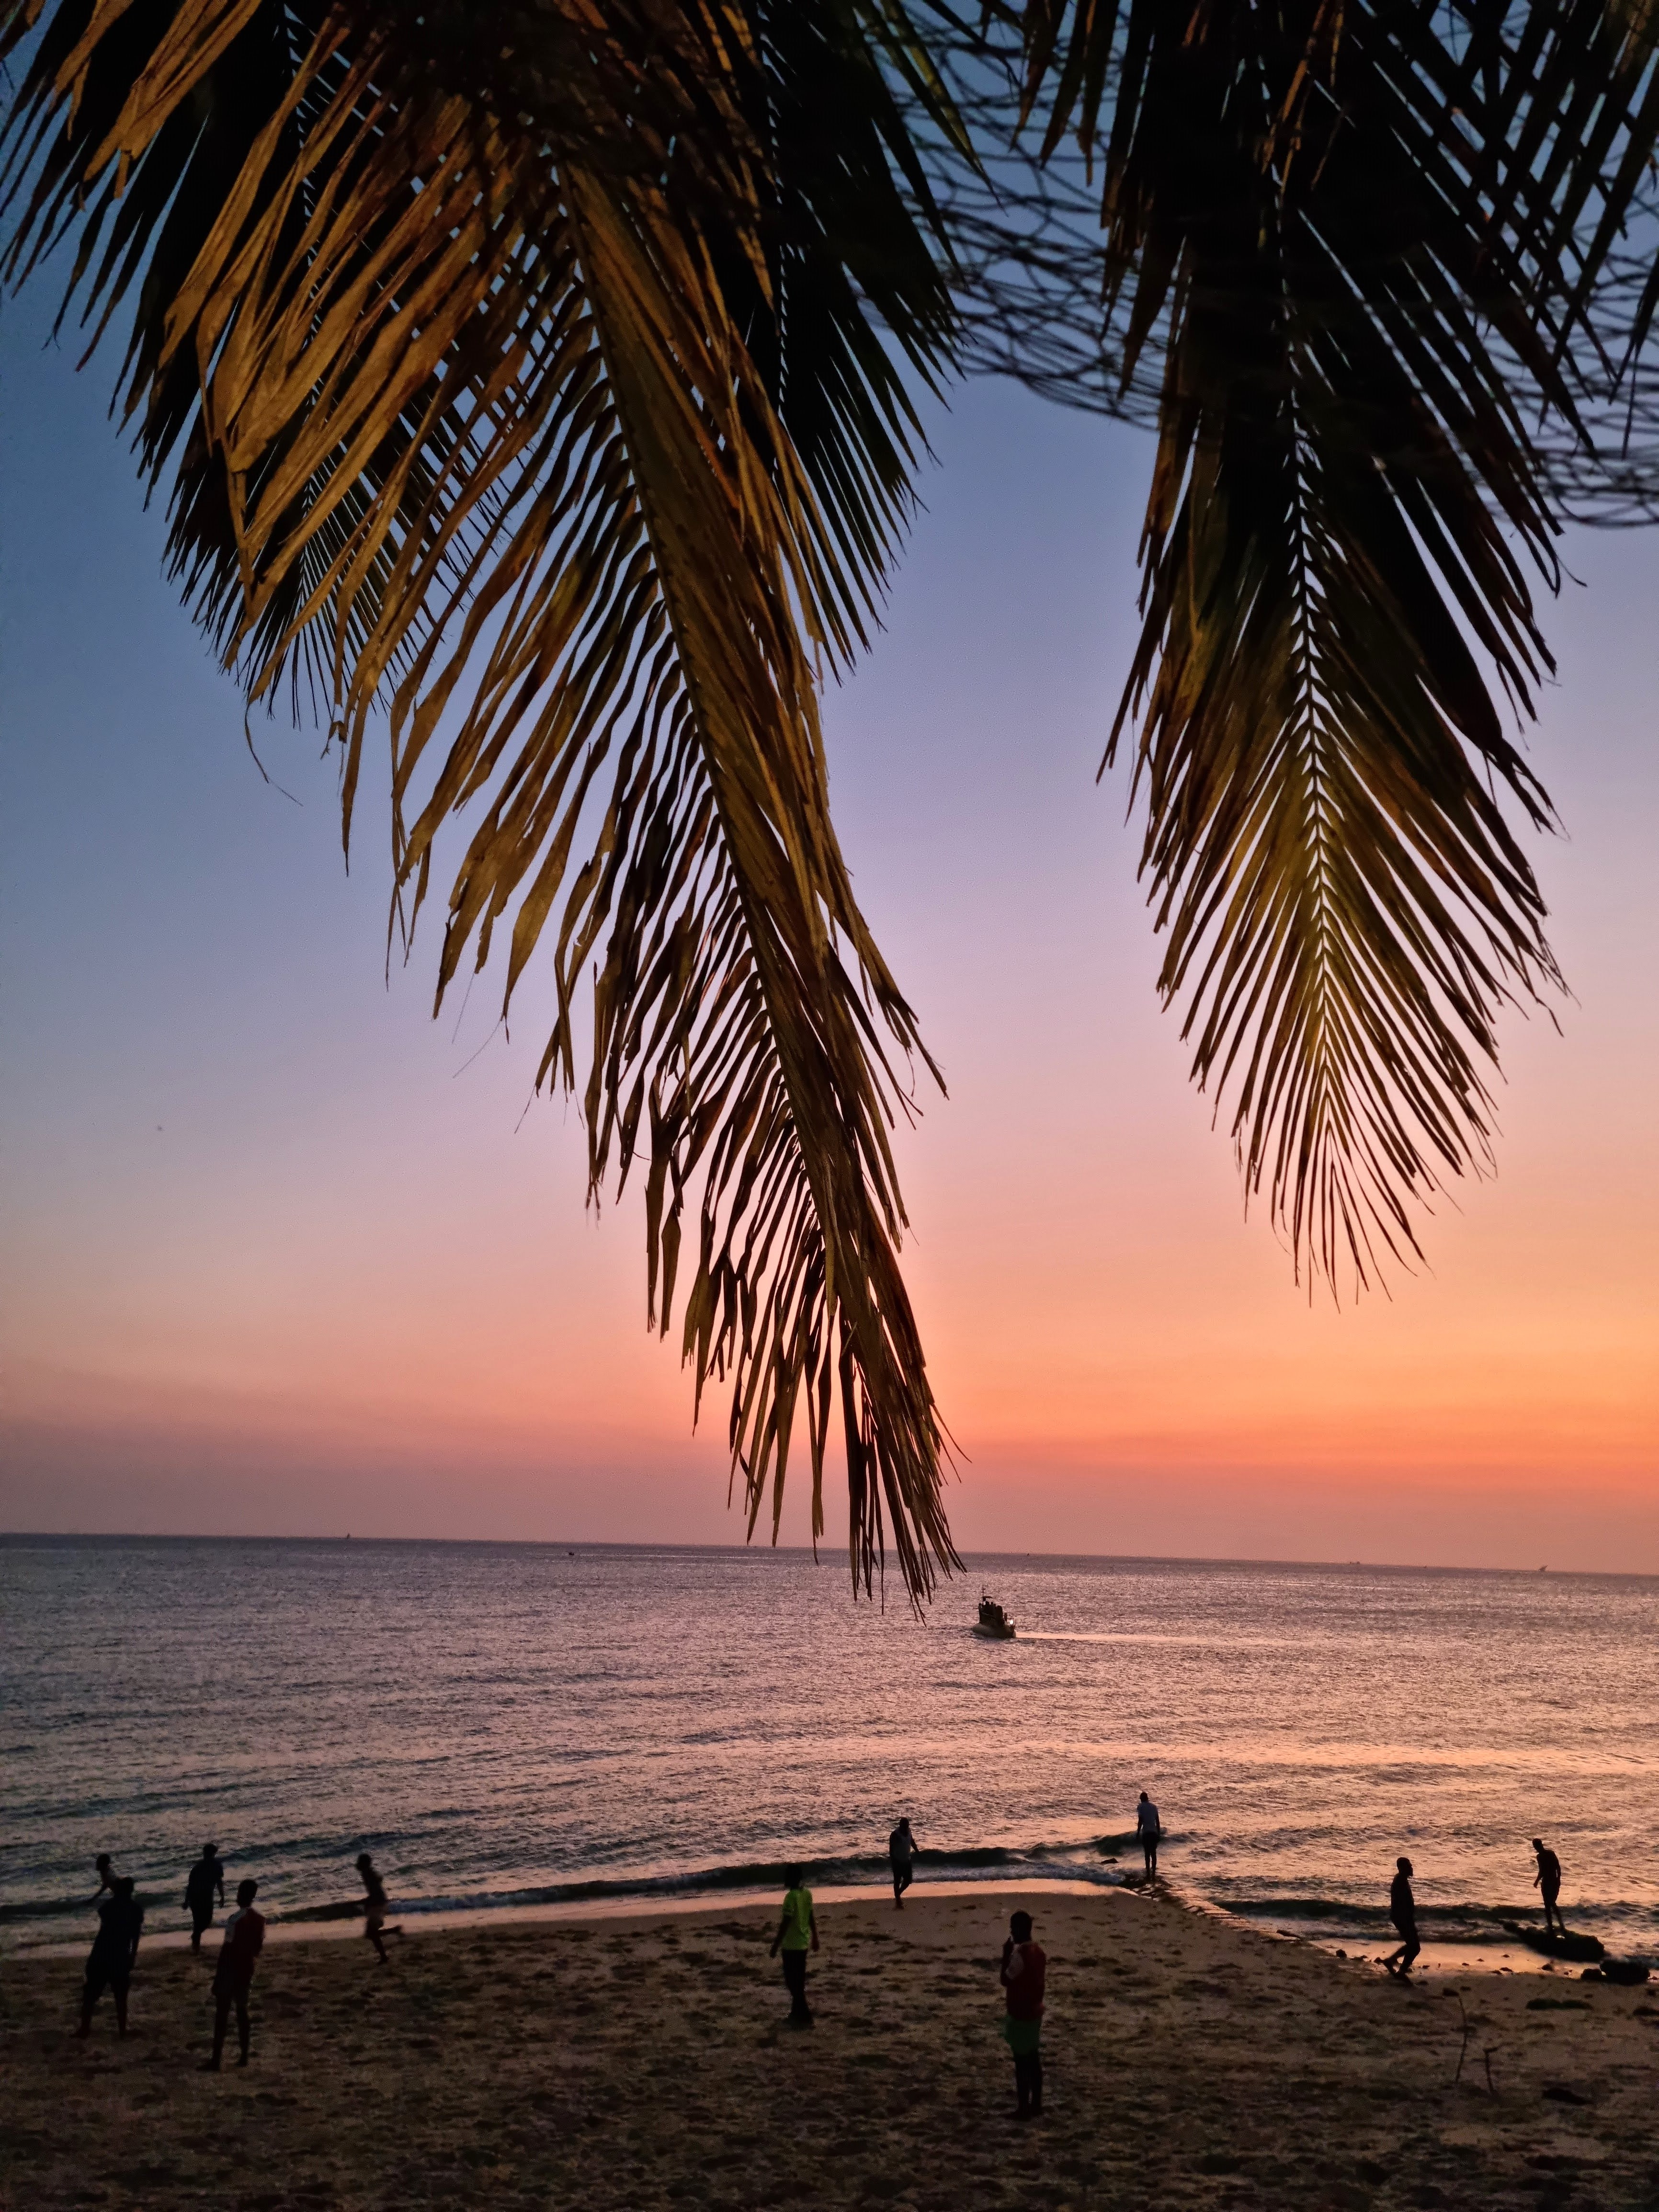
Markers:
{"x": 993, "y": 1621}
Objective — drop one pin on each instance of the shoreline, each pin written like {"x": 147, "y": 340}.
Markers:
{"x": 642, "y": 2063}
{"x": 1501, "y": 1956}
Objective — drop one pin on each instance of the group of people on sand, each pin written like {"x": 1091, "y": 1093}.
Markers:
{"x": 121, "y": 1924}
{"x": 1149, "y": 1829}
{"x": 1024, "y": 1973}
{"x": 1024, "y": 1964}
{"x": 1402, "y": 1907}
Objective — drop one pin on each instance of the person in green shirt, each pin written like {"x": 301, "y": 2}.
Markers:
{"x": 796, "y": 1929}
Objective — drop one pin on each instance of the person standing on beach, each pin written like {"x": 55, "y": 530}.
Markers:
{"x": 797, "y": 1930}
{"x": 114, "y": 1948}
{"x": 205, "y": 1881}
{"x": 232, "y": 1978}
{"x": 376, "y": 1908}
{"x": 1402, "y": 1911}
{"x": 1024, "y": 1978}
{"x": 1547, "y": 1882}
{"x": 1149, "y": 1828}
{"x": 900, "y": 1850}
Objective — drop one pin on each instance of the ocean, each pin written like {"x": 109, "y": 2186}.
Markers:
{"x": 514, "y": 1726}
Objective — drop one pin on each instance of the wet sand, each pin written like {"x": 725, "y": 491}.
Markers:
{"x": 638, "y": 2064}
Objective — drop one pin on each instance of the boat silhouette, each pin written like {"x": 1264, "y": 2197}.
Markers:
{"x": 993, "y": 1621}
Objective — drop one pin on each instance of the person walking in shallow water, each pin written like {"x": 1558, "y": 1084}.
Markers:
{"x": 900, "y": 1851}
{"x": 1547, "y": 1882}
{"x": 232, "y": 1978}
{"x": 1025, "y": 1979}
{"x": 797, "y": 1928}
{"x": 104, "y": 1867}
{"x": 1149, "y": 1828}
{"x": 375, "y": 1906}
{"x": 205, "y": 1881}
{"x": 1402, "y": 1911}
{"x": 114, "y": 1948}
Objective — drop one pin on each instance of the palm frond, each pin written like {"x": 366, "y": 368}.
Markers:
{"x": 554, "y": 393}
{"x": 1351, "y": 254}
{"x": 477, "y": 379}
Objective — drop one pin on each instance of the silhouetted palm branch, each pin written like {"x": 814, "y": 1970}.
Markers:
{"x": 1354, "y": 264}
{"x": 553, "y": 391}
{"x": 474, "y": 381}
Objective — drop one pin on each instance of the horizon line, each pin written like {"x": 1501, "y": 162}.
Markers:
{"x": 804, "y": 1551}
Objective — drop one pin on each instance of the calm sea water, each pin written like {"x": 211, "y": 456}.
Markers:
{"x": 510, "y": 1724}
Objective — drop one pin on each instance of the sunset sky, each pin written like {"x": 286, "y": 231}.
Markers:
{"x": 286, "y": 1256}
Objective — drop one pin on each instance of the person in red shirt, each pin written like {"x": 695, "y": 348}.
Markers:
{"x": 232, "y": 1978}
{"x": 1024, "y": 1976}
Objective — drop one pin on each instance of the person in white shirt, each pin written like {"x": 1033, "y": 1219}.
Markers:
{"x": 900, "y": 1851}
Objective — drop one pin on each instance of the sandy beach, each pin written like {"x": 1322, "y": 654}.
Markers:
{"x": 644, "y": 2063}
